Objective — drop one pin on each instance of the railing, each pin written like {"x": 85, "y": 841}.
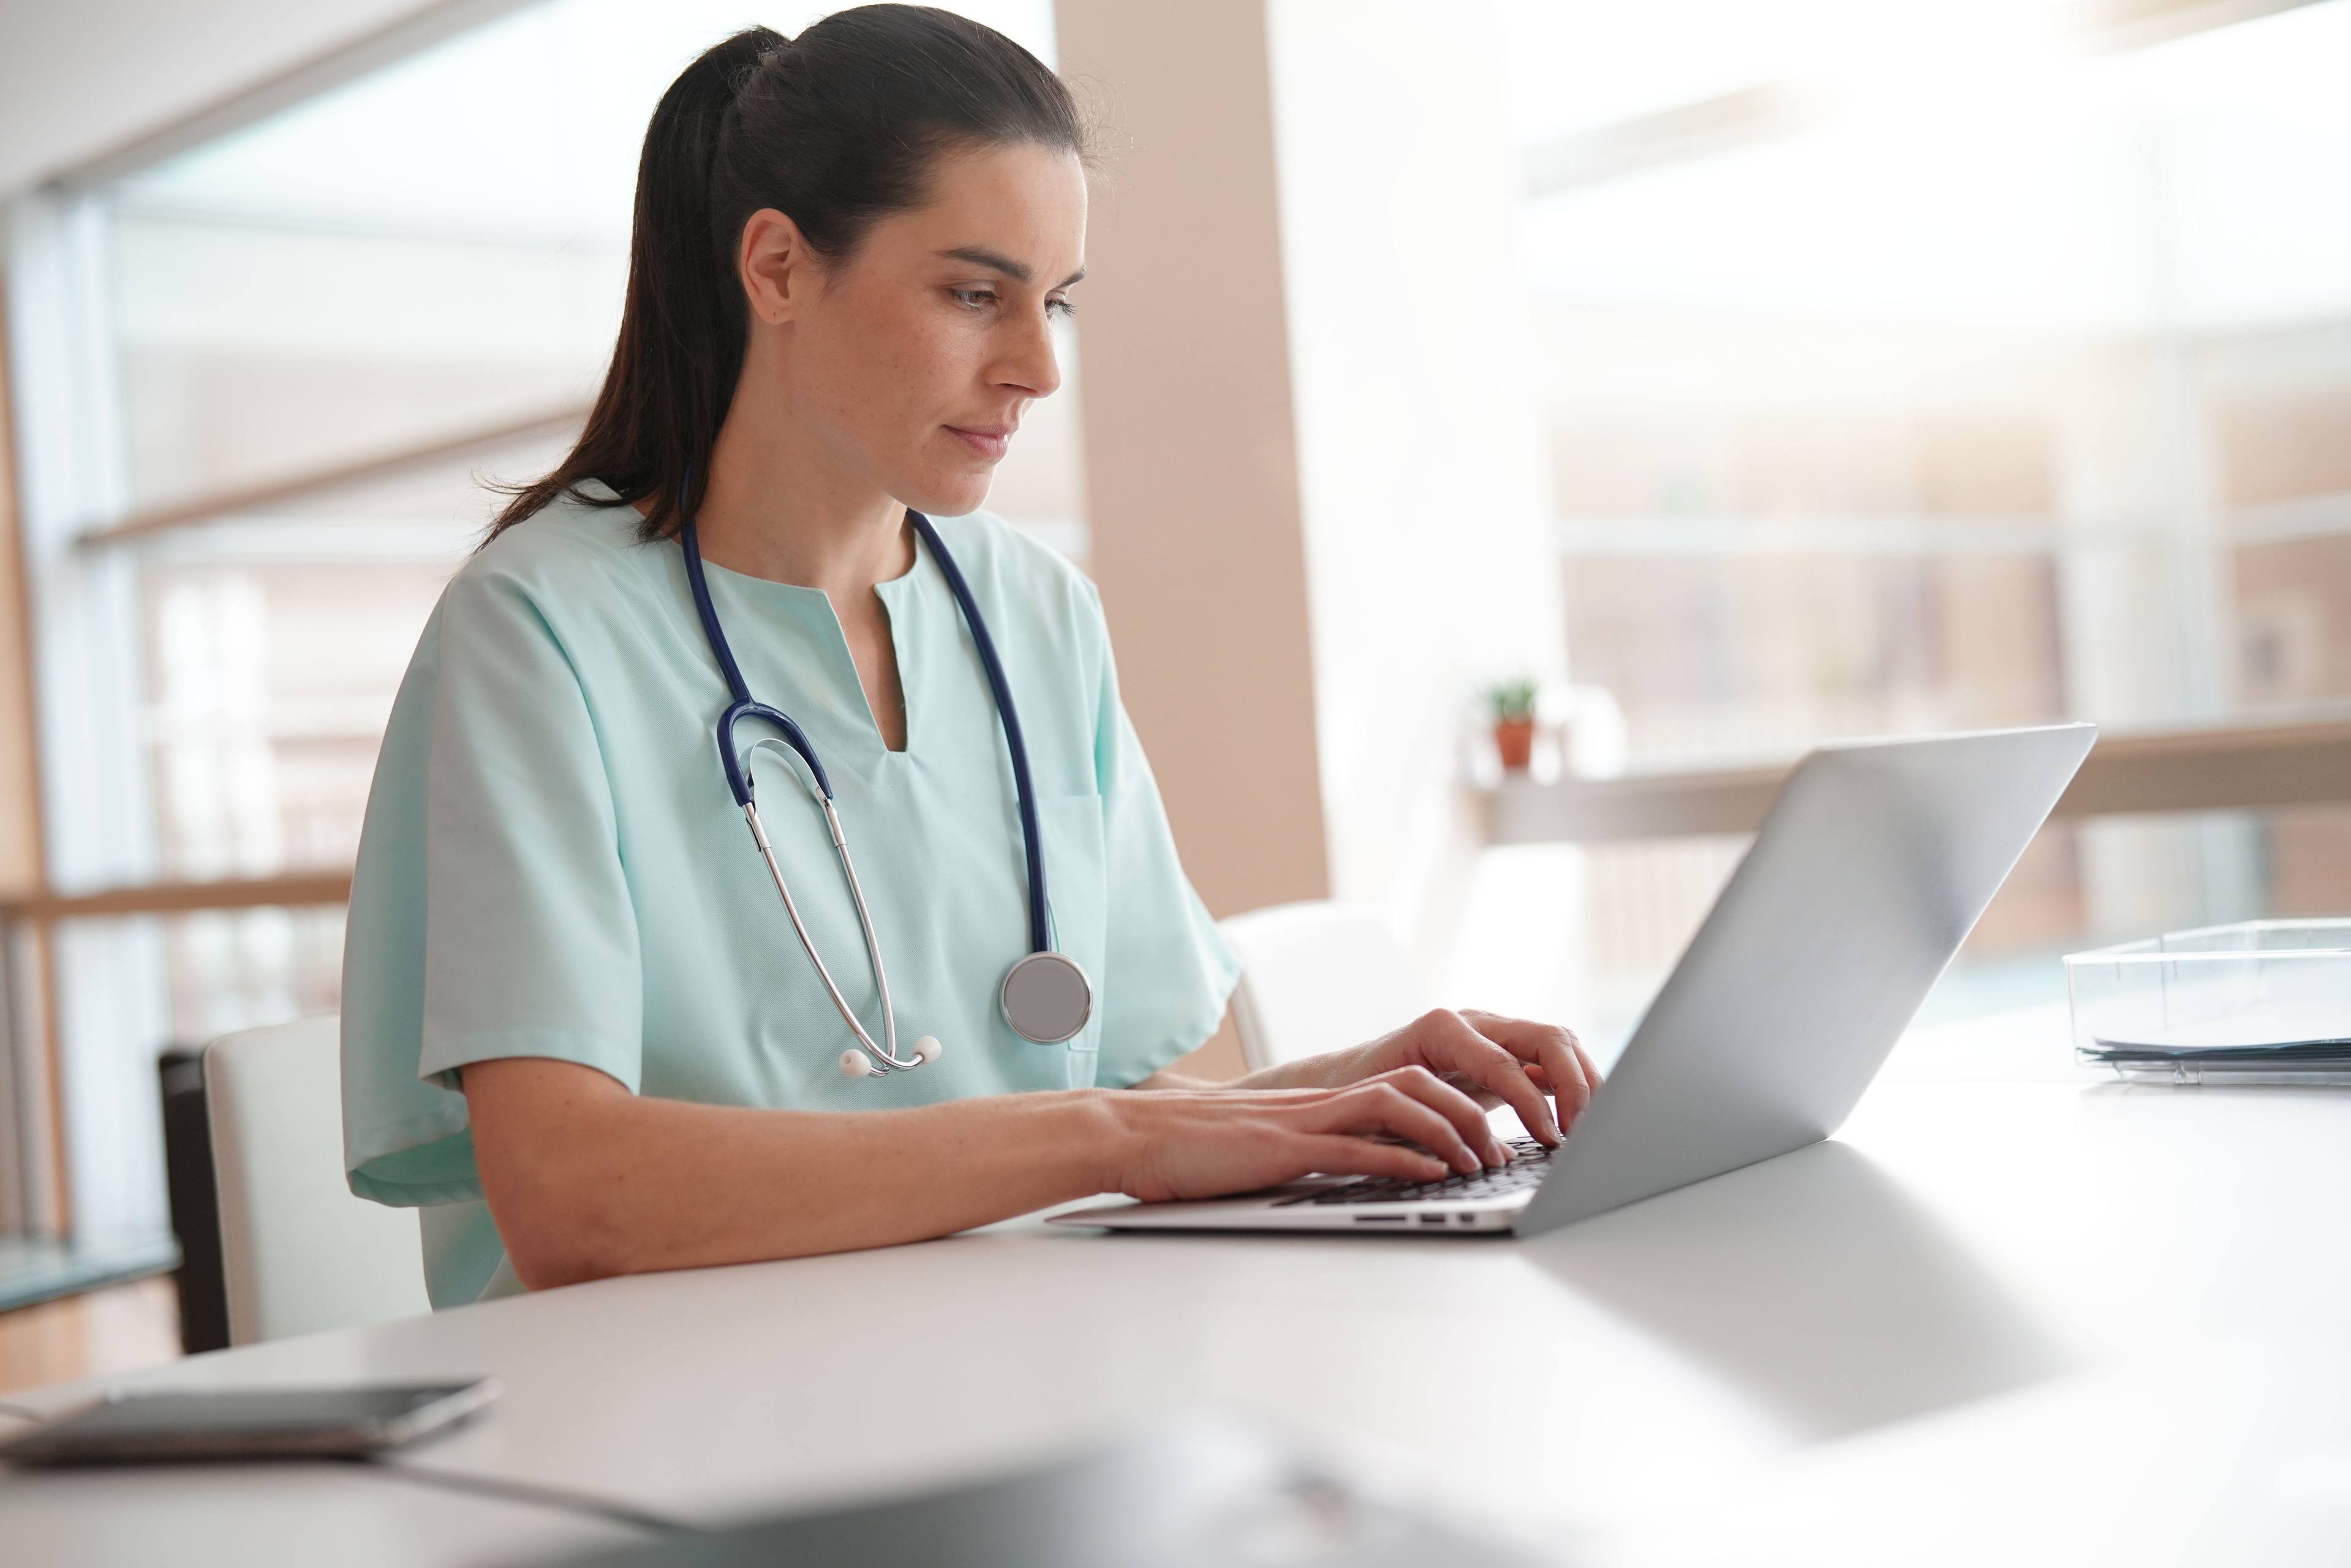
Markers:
{"x": 2238, "y": 768}
{"x": 37, "y": 1197}
{"x": 309, "y": 888}
{"x": 254, "y": 498}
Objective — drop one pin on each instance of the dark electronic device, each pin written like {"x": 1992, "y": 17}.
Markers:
{"x": 247, "y": 1423}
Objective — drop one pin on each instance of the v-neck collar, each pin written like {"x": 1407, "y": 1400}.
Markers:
{"x": 905, "y": 600}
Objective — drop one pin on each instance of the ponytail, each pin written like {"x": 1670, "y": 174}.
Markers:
{"x": 837, "y": 129}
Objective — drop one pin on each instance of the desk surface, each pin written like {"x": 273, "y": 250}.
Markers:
{"x": 1992, "y": 1238}
{"x": 260, "y": 1516}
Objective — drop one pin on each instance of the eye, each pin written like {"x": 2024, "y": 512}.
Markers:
{"x": 979, "y": 298}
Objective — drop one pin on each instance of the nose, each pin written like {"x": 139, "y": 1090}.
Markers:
{"x": 1032, "y": 364}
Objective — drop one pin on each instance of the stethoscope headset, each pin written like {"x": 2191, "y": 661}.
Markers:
{"x": 1045, "y": 997}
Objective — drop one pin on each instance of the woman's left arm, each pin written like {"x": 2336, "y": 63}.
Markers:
{"x": 1496, "y": 1060}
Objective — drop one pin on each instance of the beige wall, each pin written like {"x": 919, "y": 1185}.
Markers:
{"x": 20, "y": 811}
{"x": 1261, "y": 393}
{"x": 1190, "y": 454}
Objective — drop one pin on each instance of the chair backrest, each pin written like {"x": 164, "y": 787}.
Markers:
{"x": 299, "y": 1251}
{"x": 1316, "y": 976}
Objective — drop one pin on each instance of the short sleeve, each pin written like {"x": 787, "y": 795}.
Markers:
{"x": 1167, "y": 972}
{"x": 490, "y": 913}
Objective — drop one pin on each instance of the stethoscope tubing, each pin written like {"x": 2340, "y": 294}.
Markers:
{"x": 739, "y": 781}
{"x": 883, "y": 1056}
{"x": 1041, "y": 935}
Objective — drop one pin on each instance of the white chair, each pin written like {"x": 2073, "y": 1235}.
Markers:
{"x": 1316, "y": 976}
{"x": 299, "y": 1251}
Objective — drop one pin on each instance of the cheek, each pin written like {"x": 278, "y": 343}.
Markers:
{"x": 927, "y": 370}
{"x": 893, "y": 381}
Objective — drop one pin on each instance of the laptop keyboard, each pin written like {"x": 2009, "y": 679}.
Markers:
{"x": 1521, "y": 1174}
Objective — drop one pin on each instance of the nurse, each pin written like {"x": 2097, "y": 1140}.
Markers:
{"x": 579, "y": 1029}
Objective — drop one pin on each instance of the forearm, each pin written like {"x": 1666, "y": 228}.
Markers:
{"x": 586, "y": 1178}
{"x": 664, "y": 1184}
{"x": 1322, "y": 1071}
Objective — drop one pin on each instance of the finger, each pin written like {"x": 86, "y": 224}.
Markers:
{"x": 1486, "y": 1098}
{"x": 1585, "y": 1079}
{"x": 1522, "y": 1042}
{"x": 1449, "y": 1101}
{"x": 1555, "y": 1049}
{"x": 1459, "y": 1044}
{"x": 1419, "y": 1106}
{"x": 1378, "y": 1102}
{"x": 1591, "y": 1074}
{"x": 1336, "y": 1153}
{"x": 1570, "y": 1085}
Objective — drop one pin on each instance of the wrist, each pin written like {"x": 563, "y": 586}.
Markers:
{"x": 1105, "y": 1136}
{"x": 1331, "y": 1070}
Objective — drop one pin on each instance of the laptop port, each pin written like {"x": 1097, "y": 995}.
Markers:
{"x": 1383, "y": 1219}
{"x": 1435, "y": 1218}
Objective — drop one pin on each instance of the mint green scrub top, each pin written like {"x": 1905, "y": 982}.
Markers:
{"x": 551, "y": 864}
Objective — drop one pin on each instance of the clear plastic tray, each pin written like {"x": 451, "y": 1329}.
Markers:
{"x": 2259, "y": 1002}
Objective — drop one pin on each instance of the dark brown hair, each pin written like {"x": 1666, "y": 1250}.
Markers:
{"x": 835, "y": 129}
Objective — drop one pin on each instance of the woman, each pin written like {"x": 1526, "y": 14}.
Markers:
{"x": 576, "y": 1023}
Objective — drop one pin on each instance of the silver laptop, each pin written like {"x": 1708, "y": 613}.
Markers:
{"x": 1873, "y": 866}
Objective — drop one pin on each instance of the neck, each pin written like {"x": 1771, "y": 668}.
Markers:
{"x": 775, "y": 507}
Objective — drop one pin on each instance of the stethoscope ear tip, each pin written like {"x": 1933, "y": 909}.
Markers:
{"x": 929, "y": 1049}
{"x": 853, "y": 1064}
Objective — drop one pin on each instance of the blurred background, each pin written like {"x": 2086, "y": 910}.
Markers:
{"x": 1742, "y": 374}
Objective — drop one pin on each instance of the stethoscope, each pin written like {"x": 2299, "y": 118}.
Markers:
{"x": 1045, "y": 997}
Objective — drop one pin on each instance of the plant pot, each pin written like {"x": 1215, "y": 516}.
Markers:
{"x": 1514, "y": 738}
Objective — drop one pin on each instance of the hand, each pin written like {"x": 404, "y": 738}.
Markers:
{"x": 1180, "y": 1143}
{"x": 1492, "y": 1060}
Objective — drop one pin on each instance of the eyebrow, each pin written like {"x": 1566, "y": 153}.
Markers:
{"x": 1019, "y": 271}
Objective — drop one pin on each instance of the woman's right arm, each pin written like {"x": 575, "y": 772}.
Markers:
{"x": 586, "y": 1179}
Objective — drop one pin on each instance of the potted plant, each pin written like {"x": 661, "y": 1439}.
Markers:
{"x": 1513, "y": 704}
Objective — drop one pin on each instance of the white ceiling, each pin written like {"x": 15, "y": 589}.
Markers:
{"x": 78, "y": 80}
{"x": 526, "y": 126}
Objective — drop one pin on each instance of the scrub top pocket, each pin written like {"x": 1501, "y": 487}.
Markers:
{"x": 1075, "y": 879}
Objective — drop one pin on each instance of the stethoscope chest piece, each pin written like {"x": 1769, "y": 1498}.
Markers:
{"x": 1047, "y": 997}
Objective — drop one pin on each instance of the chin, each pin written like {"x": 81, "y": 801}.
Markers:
{"x": 949, "y": 494}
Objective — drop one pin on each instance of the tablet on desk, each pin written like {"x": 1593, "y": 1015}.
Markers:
{"x": 248, "y": 1423}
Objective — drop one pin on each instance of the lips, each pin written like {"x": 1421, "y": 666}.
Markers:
{"x": 990, "y": 442}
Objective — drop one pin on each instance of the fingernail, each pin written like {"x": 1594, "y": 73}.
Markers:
{"x": 1496, "y": 1154}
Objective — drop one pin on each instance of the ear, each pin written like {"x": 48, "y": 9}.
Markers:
{"x": 777, "y": 269}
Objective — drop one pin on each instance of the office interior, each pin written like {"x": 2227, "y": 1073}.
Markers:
{"x": 1738, "y": 375}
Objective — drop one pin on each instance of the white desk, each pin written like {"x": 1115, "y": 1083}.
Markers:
{"x": 260, "y": 1516}
{"x": 1992, "y": 1238}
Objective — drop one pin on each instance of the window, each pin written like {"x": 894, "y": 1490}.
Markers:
{"x": 297, "y": 352}
{"x": 1941, "y": 366}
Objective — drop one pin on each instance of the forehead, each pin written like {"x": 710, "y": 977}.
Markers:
{"x": 1026, "y": 203}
